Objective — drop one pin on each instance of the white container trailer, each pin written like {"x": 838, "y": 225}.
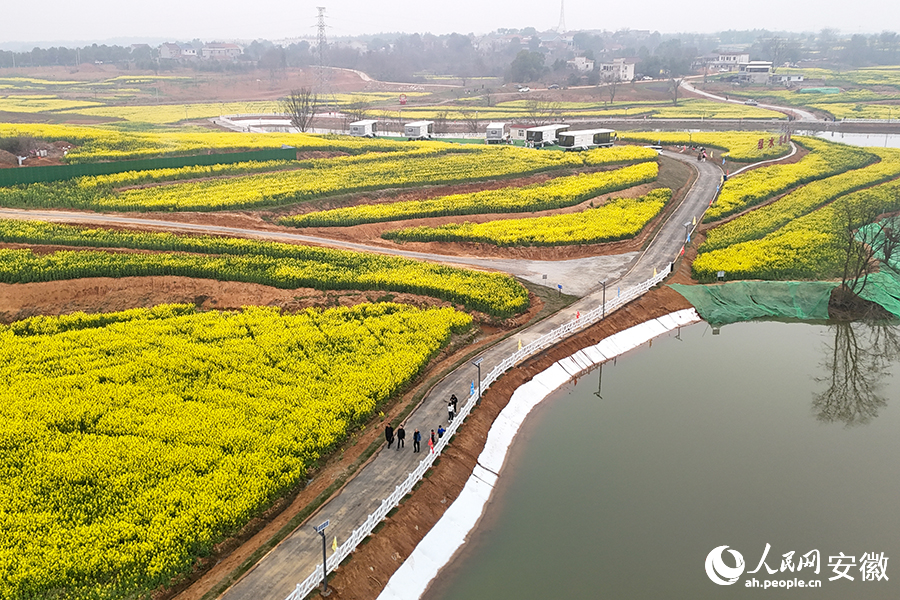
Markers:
{"x": 545, "y": 135}
{"x": 496, "y": 133}
{"x": 365, "y": 128}
{"x": 419, "y": 130}
{"x": 586, "y": 139}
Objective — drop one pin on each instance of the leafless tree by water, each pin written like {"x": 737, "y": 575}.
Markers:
{"x": 858, "y": 361}
{"x": 865, "y": 236}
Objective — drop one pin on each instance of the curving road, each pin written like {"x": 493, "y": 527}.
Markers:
{"x": 577, "y": 275}
{"x": 801, "y": 115}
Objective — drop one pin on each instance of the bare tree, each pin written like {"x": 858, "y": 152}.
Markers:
{"x": 470, "y": 118}
{"x": 301, "y": 107}
{"x": 440, "y": 122}
{"x": 612, "y": 82}
{"x": 864, "y": 236}
{"x": 777, "y": 49}
{"x": 857, "y": 363}
{"x": 891, "y": 239}
{"x": 859, "y": 244}
{"x": 674, "y": 87}
{"x": 356, "y": 111}
{"x": 540, "y": 111}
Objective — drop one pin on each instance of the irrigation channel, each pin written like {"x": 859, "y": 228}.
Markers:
{"x": 621, "y": 484}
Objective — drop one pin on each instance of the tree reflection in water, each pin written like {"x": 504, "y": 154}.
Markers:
{"x": 862, "y": 354}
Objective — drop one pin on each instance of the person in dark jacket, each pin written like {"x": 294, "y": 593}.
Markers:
{"x": 401, "y": 435}
{"x": 389, "y": 434}
{"x": 417, "y": 438}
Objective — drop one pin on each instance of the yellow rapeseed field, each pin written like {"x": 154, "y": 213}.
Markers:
{"x": 132, "y": 443}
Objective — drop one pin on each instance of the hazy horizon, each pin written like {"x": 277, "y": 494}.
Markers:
{"x": 98, "y": 21}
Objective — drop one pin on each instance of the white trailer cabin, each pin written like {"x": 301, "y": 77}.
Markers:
{"x": 419, "y": 130}
{"x": 496, "y": 133}
{"x": 586, "y": 139}
{"x": 517, "y": 131}
{"x": 365, "y": 128}
{"x": 545, "y": 135}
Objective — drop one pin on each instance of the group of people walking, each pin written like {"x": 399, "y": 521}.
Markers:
{"x": 400, "y": 434}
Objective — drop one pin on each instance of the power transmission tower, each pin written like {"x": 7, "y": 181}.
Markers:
{"x": 561, "y": 28}
{"x": 323, "y": 85}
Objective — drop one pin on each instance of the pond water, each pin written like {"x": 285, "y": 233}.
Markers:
{"x": 880, "y": 140}
{"x": 785, "y": 434}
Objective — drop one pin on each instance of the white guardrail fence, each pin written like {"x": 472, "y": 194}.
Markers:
{"x": 543, "y": 342}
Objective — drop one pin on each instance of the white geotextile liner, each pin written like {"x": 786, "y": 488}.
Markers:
{"x": 668, "y": 322}
{"x": 507, "y": 424}
{"x": 571, "y": 367}
{"x": 608, "y": 348}
{"x": 594, "y": 354}
{"x": 655, "y": 328}
{"x": 643, "y": 333}
{"x": 582, "y": 359}
{"x": 438, "y": 546}
{"x": 624, "y": 341}
{"x": 553, "y": 377}
{"x": 686, "y": 316}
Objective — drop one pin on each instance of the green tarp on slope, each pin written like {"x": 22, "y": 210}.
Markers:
{"x": 744, "y": 300}
{"x": 884, "y": 288}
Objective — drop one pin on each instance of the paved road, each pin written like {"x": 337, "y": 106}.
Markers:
{"x": 276, "y": 575}
{"x": 668, "y": 241}
{"x": 578, "y": 276}
{"x": 802, "y": 115}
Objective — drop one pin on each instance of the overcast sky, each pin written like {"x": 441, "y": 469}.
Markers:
{"x": 95, "y": 20}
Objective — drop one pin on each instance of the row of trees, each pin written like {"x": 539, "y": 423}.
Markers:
{"x": 519, "y": 55}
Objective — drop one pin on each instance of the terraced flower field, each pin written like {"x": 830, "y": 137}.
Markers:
{"x": 557, "y": 193}
{"x": 756, "y": 186}
{"x": 799, "y": 235}
{"x": 617, "y": 219}
{"x": 740, "y": 146}
{"x": 233, "y": 259}
{"x": 430, "y": 164}
{"x": 761, "y": 222}
{"x": 97, "y": 144}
